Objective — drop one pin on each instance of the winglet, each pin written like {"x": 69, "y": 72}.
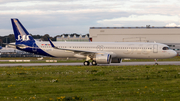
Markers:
{"x": 52, "y": 44}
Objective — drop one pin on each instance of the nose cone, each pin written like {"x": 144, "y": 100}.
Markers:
{"x": 173, "y": 53}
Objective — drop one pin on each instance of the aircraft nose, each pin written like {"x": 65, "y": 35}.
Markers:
{"x": 174, "y": 53}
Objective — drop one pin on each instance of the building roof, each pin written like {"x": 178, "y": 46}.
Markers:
{"x": 147, "y": 27}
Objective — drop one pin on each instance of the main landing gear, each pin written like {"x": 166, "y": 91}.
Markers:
{"x": 94, "y": 63}
{"x": 87, "y": 63}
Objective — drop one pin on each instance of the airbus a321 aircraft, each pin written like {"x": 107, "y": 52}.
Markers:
{"x": 97, "y": 52}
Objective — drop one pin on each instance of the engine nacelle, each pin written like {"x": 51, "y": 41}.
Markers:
{"x": 103, "y": 58}
{"x": 116, "y": 60}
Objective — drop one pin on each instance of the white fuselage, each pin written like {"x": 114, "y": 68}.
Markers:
{"x": 116, "y": 49}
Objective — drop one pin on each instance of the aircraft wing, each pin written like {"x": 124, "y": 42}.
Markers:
{"x": 76, "y": 51}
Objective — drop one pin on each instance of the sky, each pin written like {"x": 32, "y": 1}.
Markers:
{"x": 56, "y": 17}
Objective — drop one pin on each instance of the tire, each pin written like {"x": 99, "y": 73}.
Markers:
{"x": 94, "y": 63}
{"x": 86, "y": 63}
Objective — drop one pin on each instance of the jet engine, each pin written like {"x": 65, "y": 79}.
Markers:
{"x": 103, "y": 58}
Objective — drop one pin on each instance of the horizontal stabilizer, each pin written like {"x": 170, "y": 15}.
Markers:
{"x": 22, "y": 46}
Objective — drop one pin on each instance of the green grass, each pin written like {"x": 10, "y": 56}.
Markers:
{"x": 87, "y": 83}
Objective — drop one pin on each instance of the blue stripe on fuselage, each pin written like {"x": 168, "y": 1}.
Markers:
{"x": 33, "y": 48}
{"x": 37, "y": 51}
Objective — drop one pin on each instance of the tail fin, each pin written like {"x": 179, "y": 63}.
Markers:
{"x": 20, "y": 33}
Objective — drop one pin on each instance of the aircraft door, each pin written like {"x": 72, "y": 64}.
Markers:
{"x": 155, "y": 48}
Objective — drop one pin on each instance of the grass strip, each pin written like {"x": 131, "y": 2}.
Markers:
{"x": 88, "y": 83}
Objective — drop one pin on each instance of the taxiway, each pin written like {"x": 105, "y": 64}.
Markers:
{"x": 76, "y": 64}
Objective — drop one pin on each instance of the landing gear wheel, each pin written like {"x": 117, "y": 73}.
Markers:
{"x": 155, "y": 61}
{"x": 94, "y": 63}
{"x": 86, "y": 63}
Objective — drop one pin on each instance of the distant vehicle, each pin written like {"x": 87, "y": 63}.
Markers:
{"x": 98, "y": 52}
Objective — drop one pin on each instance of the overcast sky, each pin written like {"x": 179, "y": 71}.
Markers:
{"x": 55, "y": 17}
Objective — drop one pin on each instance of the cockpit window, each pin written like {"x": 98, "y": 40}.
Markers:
{"x": 165, "y": 48}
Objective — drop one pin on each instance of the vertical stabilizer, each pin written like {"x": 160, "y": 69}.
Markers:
{"x": 21, "y": 34}
{"x": 24, "y": 41}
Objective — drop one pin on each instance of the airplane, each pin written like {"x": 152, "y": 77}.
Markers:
{"x": 97, "y": 52}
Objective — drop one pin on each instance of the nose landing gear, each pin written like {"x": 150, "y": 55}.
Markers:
{"x": 156, "y": 62}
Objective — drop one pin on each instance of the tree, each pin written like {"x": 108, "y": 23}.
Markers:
{"x": 11, "y": 38}
{"x": 45, "y": 37}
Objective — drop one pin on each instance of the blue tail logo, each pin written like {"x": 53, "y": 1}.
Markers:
{"x": 21, "y": 34}
{"x": 24, "y": 41}
{"x": 23, "y": 38}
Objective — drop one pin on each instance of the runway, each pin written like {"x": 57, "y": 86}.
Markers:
{"x": 81, "y": 64}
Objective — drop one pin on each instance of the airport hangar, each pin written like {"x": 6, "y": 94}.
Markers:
{"x": 166, "y": 35}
